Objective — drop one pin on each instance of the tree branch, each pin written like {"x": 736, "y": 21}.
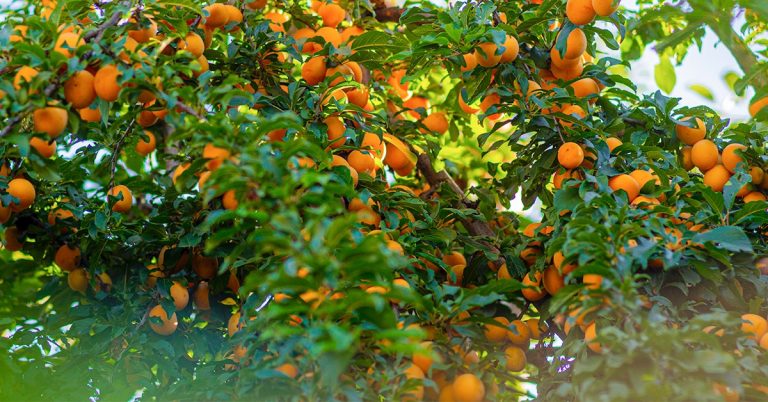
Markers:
{"x": 740, "y": 51}
{"x": 116, "y": 153}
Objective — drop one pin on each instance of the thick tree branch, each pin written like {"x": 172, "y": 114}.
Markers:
{"x": 740, "y": 51}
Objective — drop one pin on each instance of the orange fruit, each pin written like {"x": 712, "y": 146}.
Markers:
{"x": 519, "y": 333}
{"x": 359, "y": 96}
{"x": 77, "y": 280}
{"x": 644, "y": 176}
{"x": 436, "y": 122}
{"x": 90, "y": 115}
{"x": 626, "y": 183}
{"x": 332, "y": 14}
{"x": 560, "y": 62}
{"x": 576, "y": 44}
{"x": 511, "y": 50}
{"x": 67, "y": 258}
{"x": 192, "y": 43}
{"x": 685, "y": 155}
{"x": 468, "y": 388}
{"x": 613, "y": 143}
{"x": 234, "y": 17}
{"x": 373, "y": 142}
{"x": 50, "y": 120}
{"x": 205, "y": 267}
{"x": 584, "y": 87}
{"x": 215, "y": 155}
{"x": 424, "y": 359}
{"x": 122, "y": 193}
{"x": 67, "y": 43}
{"x": 200, "y": 66}
{"x": 349, "y": 33}
{"x": 215, "y": 16}
{"x": 754, "y": 325}
{"x": 589, "y": 337}
{"x": 757, "y": 175}
{"x": 336, "y": 131}
{"x": 495, "y": 333}
{"x": 314, "y": 70}
{"x": 180, "y": 295}
{"x": 731, "y": 158}
{"x": 574, "y": 111}
{"x": 515, "y": 357}
{"x": 559, "y": 177}
{"x": 691, "y": 135}
{"x": 570, "y": 155}
{"x": 605, "y": 8}
{"x": 533, "y": 280}
{"x": 489, "y": 101}
{"x": 330, "y": 35}
{"x": 569, "y": 72}
{"x": 288, "y": 369}
{"x": 144, "y": 33}
{"x": 201, "y": 296}
{"x": 756, "y": 106}
{"x": 229, "y": 200}
{"x": 580, "y": 12}
{"x": 25, "y": 74}
{"x": 716, "y": 178}
{"x": 417, "y": 393}
{"x": 24, "y": 191}
{"x": 553, "y": 280}
{"x": 469, "y": 62}
{"x": 78, "y": 89}
{"x": 754, "y": 196}
{"x": 105, "y": 83}
{"x": 167, "y": 325}
{"x": 704, "y": 155}
{"x": 362, "y": 162}
{"x": 46, "y": 149}
{"x": 486, "y": 54}
{"x": 144, "y": 148}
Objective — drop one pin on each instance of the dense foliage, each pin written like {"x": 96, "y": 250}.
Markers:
{"x": 283, "y": 200}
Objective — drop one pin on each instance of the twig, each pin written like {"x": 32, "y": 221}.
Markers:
{"x": 97, "y": 34}
{"x": 188, "y": 109}
{"x": 116, "y": 152}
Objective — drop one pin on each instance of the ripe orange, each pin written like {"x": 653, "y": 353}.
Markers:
{"x": 67, "y": 43}
{"x": 511, "y": 50}
{"x": 105, "y": 83}
{"x": 486, "y": 54}
{"x": 704, "y": 155}
{"x": 518, "y": 333}
{"x": 11, "y": 237}
{"x": 686, "y": 158}
{"x": 417, "y": 393}
{"x": 167, "y": 325}
{"x": 468, "y": 388}
{"x": 589, "y": 337}
{"x": 691, "y": 135}
{"x": 469, "y": 62}
{"x": 559, "y": 177}
{"x": 605, "y": 8}
{"x": 576, "y": 44}
{"x": 553, "y": 280}
{"x": 192, "y": 43}
{"x": 515, "y": 358}
{"x": 215, "y": 156}
{"x": 495, "y": 333}
{"x": 569, "y": 72}
{"x": 585, "y": 87}
{"x": 205, "y": 267}
{"x": 229, "y": 200}
{"x": 330, "y": 35}
{"x": 180, "y": 295}
{"x": 288, "y": 369}
{"x": 490, "y": 100}
{"x": 90, "y": 115}
{"x": 754, "y": 325}
{"x": 362, "y": 162}
{"x": 234, "y": 17}
{"x": 78, "y": 89}
{"x": 349, "y": 33}
{"x": 332, "y": 14}
{"x": 613, "y": 143}
{"x": 314, "y": 70}
{"x": 436, "y": 122}
{"x": 757, "y": 175}
{"x": 731, "y": 158}
{"x": 533, "y": 280}
{"x": 77, "y": 280}
{"x": 756, "y": 106}
{"x": 24, "y": 191}
{"x": 67, "y": 258}
{"x": 46, "y": 149}
{"x": 716, "y": 178}
{"x": 754, "y": 196}
{"x": 424, "y": 359}
{"x": 580, "y": 12}
{"x": 626, "y": 183}
{"x": 644, "y": 176}
{"x": 51, "y": 120}
{"x": 144, "y": 148}
{"x": 336, "y": 131}
{"x": 122, "y": 193}
{"x": 201, "y": 296}
{"x": 574, "y": 111}
{"x": 570, "y": 155}
{"x": 359, "y": 96}
{"x": 216, "y": 15}
{"x": 24, "y": 74}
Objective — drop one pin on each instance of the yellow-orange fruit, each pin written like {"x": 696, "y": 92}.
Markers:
{"x": 201, "y": 297}
{"x": 167, "y": 325}
{"x": 288, "y": 370}
{"x": 77, "y": 279}
{"x": 143, "y": 33}
{"x": 362, "y": 162}
{"x": 78, "y": 89}
{"x": 125, "y": 197}
{"x": 518, "y": 333}
{"x": 533, "y": 280}
{"x": 229, "y": 200}
{"x": 216, "y": 15}
{"x": 349, "y": 33}
{"x": 576, "y": 44}
{"x": 67, "y": 43}
{"x": 568, "y": 73}
{"x": 143, "y": 147}
{"x": 686, "y": 158}
{"x": 90, "y": 115}
{"x": 205, "y": 267}
{"x": 717, "y": 177}
{"x": 691, "y": 135}
{"x": 417, "y": 393}
{"x": 468, "y": 388}
{"x": 24, "y": 191}
{"x": 585, "y": 87}
{"x": 469, "y": 62}
{"x": 559, "y": 177}
{"x": 515, "y": 357}
{"x": 201, "y": 65}
{"x": 436, "y": 122}
{"x": 704, "y": 155}
{"x": 613, "y": 143}
{"x": 496, "y": 333}
{"x": 758, "y": 105}
{"x": 754, "y": 196}
{"x": 553, "y": 280}
{"x": 11, "y": 237}
{"x": 105, "y": 83}
{"x": 605, "y": 8}
{"x": 754, "y": 325}
{"x": 234, "y": 17}
{"x": 511, "y": 50}
{"x": 314, "y": 70}
{"x": 50, "y": 120}
{"x": 24, "y": 74}
{"x": 627, "y": 183}
{"x": 573, "y": 111}
{"x": 731, "y": 156}
{"x": 486, "y": 54}
{"x": 336, "y": 131}
{"x": 644, "y": 176}
{"x": 757, "y": 175}
{"x": 589, "y": 337}
{"x": 332, "y": 14}
{"x": 193, "y": 43}
{"x": 570, "y": 155}
{"x": 424, "y": 359}
{"x": 215, "y": 155}
{"x": 46, "y": 149}
{"x": 490, "y": 100}
{"x": 180, "y": 295}
{"x": 580, "y": 12}
{"x": 67, "y": 258}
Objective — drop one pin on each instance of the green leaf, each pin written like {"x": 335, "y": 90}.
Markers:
{"x": 664, "y": 73}
{"x": 731, "y": 238}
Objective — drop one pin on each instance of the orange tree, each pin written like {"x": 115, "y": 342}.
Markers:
{"x": 279, "y": 200}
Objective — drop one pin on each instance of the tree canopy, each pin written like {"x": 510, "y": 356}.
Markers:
{"x": 275, "y": 200}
